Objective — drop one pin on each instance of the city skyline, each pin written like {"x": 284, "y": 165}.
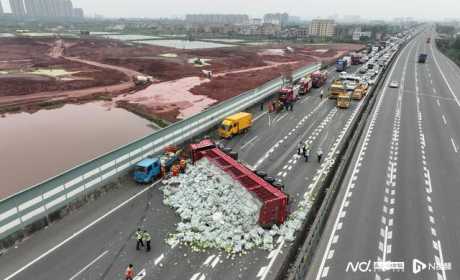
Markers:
{"x": 41, "y": 8}
{"x": 423, "y": 9}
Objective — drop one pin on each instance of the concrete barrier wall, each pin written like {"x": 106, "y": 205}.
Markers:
{"x": 37, "y": 202}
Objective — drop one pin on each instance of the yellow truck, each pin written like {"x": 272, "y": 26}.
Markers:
{"x": 360, "y": 91}
{"x": 336, "y": 89}
{"x": 344, "y": 100}
{"x": 235, "y": 124}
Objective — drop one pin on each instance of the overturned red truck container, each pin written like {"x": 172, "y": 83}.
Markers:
{"x": 274, "y": 202}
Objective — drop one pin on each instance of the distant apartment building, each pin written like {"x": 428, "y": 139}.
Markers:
{"x": 278, "y": 18}
{"x": 49, "y": 8}
{"x": 322, "y": 28}
{"x": 78, "y": 13}
{"x": 217, "y": 19}
{"x": 17, "y": 7}
{"x": 358, "y": 34}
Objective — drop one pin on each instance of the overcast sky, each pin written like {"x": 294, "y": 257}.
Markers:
{"x": 427, "y": 9}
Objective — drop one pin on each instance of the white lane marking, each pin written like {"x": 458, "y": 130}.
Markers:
{"x": 140, "y": 275}
{"x": 209, "y": 259}
{"x": 453, "y": 144}
{"x": 322, "y": 269}
{"x": 325, "y": 272}
{"x": 195, "y": 276}
{"x": 267, "y": 268}
{"x": 385, "y": 242}
{"x": 158, "y": 260}
{"x": 202, "y": 277}
{"x": 444, "y": 77}
{"x": 261, "y": 271}
{"x": 259, "y": 116}
{"x": 442, "y": 260}
{"x": 444, "y": 120}
{"x": 215, "y": 262}
{"x": 249, "y": 142}
{"x": 282, "y": 117}
{"x": 269, "y": 120}
{"x": 76, "y": 234}
{"x": 87, "y": 266}
{"x": 437, "y": 101}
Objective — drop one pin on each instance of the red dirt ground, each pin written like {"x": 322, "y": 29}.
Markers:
{"x": 24, "y": 54}
{"x": 108, "y": 66}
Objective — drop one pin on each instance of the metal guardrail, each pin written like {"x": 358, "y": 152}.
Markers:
{"x": 36, "y": 202}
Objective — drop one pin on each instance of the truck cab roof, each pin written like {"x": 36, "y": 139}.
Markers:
{"x": 147, "y": 162}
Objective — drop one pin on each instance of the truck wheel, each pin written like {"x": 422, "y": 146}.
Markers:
{"x": 262, "y": 174}
{"x": 233, "y": 155}
{"x": 269, "y": 179}
{"x": 278, "y": 185}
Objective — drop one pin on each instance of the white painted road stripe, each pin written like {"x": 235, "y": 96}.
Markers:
{"x": 444, "y": 77}
{"x": 249, "y": 142}
{"x": 453, "y": 144}
{"x": 259, "y": 116}
{"x": 159, "y": 259}
{"x": 86, "y": 267}
{"x": 76, "y": 234}
{"x": 444, "y": 120}
{"x": 140, "y": 275}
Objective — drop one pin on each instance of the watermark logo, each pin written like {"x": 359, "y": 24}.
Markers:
{"x": 418, "y": 266}
{"x": 363, "y": 266}
{"x": 370, "y": 266}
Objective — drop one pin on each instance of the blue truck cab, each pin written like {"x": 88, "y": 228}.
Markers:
{"x": 147, "y": 170}
{"x": 340, "y": 65}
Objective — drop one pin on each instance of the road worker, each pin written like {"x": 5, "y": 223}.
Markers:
{"x": 183, "y": 165}
{"x": 175, "y": 169}
{"x": 320, "y": 155}
{"x": 129, "y": 273}
{"x": 306, "y": 154}
{"x": 139, "y": 241}
{"x": 147, "y": 238}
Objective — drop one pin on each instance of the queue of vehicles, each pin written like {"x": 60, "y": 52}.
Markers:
{"x": 346, "y": 88}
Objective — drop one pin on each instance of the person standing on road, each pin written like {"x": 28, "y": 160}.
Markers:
{"x": 139, "y": 241}
{"x": 147, "y": 238}
{"x": 129, "y": 273}
{"x": 299, "y": 149}
{"x": 321, "y": 95}
{"x": 320, "y": 155}
{"x": 307, "y": 154}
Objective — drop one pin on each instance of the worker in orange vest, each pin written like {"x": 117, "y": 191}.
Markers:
{"x": 175, "y": 170}
{"x": 129, "y": 273}
{"x": 183, "y": 165}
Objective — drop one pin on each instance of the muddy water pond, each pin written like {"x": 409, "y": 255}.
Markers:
{"x": 34, "y": 147}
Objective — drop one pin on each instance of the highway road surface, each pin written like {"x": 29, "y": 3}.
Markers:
{"x": 96, "y": 241}
{"x": 396, "y": 216}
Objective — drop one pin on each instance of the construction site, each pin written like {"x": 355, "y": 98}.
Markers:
{"x": 156, "y": 82}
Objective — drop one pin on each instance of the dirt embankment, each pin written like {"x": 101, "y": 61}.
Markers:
{"x": 101, "y": 68}
{"x": 20, "y": 57}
